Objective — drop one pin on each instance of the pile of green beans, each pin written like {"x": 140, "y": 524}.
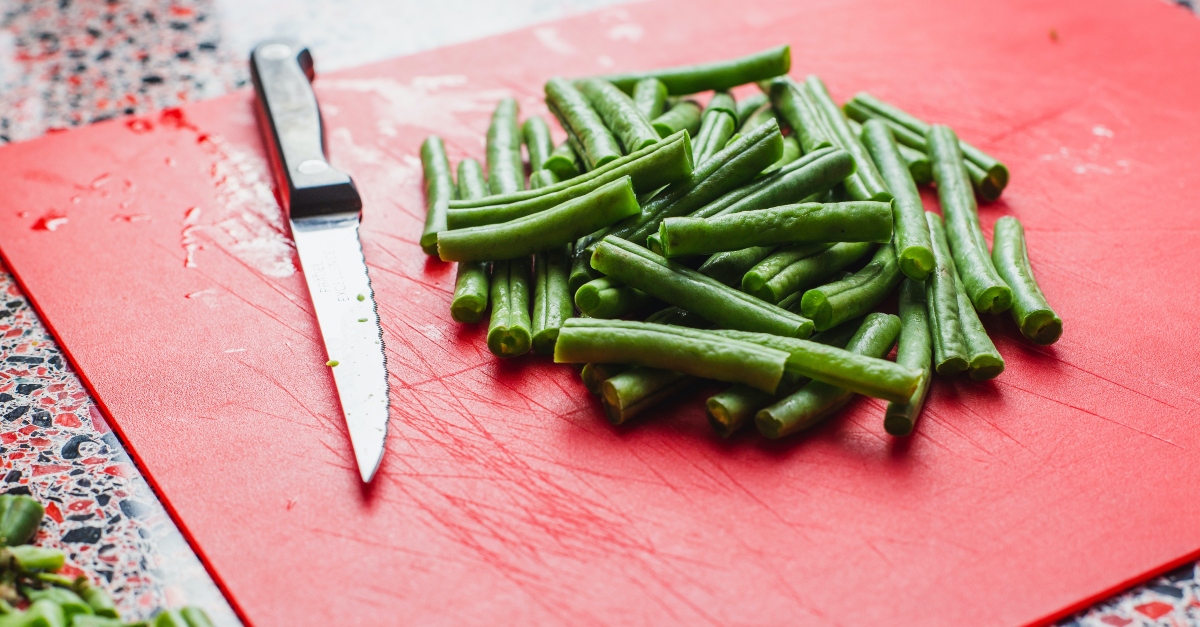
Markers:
{"x": 755, "y": 221}
{"x": 29, "y": 575}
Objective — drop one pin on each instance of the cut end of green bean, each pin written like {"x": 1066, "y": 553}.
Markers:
{"x": 952, "y": 366}
{"x": 994, "y": 300}
{"x": 543, "y": 341}
{"x": 506, "y": 342}
{"x": 815, "y": 306}
{"x": 916, "y": 262}
{"x": 1042, "y": 327}
{"x": 898, "y": 425}
{"x": 985, "y": 367}
{"x": 720, "y": 419}
{"x": 468, "y": 309}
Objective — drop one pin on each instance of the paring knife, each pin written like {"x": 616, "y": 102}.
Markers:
{"x": 323, "y": 206}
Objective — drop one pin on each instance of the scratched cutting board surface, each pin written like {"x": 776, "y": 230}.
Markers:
{"x": 155, "y": 250}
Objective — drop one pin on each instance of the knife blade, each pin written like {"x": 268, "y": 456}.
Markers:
{"x": 324, "y": 209}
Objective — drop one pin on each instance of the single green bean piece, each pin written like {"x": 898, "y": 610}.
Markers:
{"x": 33, "y": 559}
{"x": 755, "y": 279}
{"x": 729, "y": 267}
{"x": 1030, "y": 311}
{"x": 716, "y": 129}
{"x": 791, "y": 152}
{"x": 789, "y": 100}
{"x": 551, "y": 297}
{"x": 811, "y": 174}
{"x": 44, "y": 613}
{"x": 563, "y": 162}
{"x": 552, "y": 228}
{"x": 542, "y": 178}
{"x": 619, "y": 113}
{"x": 791, "y": 302}
{"x": 941, "y": 295}
{"x": 684, "y": 116}
{"x": 506, "y": 173}
{"x": 750, "y": 105}
{"x": 538, "y": 144}
{"x": 727, "y": 170}
{"x": 20, "y": 517}
{"x": 666, "y": 162}
{"x": 439, "y": 189}
{"x": 913, "y": 249}
{"x": 988, "y": 292}
{"x": 995, "y": 172}
{"x": 70, "y": 603}
{"x": 698, "y": 353}
{"x": 608, "y": 298}
{"x": 718, "y": 75}
{"x": 470, "y": 292}
{"x": 101, "y": 603}
{"x": 650, "y": 98}
{"x": 830, "y": 305}
{"x": 919, "y": 165}
{"x": 729, "y": 410}
{"x": 471, "y": 183}
{"x": 580, "y": 119}
{"x": 983, "y": 360}
{"x": 914, "y": 351}
{"x": 170, "y": 618}
{"x": 594, "y": 375}
{"x": 581, "y": 266}
{"x": 873, "y": 184}
{"x": 683, "y": 287}
{"x": 629, "y": 393}
{"x": 508, "y": 332}
{"x": 678, "y": 316}
{"x": 865, "y": 221}
{"x": 818, "y": 399}
{"x": 723, "y": 101}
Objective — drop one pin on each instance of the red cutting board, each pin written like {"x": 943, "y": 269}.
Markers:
{"x": 155, "y": 250}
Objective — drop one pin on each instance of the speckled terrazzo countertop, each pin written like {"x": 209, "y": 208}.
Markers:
{"x": 65, "y": 63}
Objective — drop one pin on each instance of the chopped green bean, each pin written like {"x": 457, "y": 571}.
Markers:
{"x": 509, "y": 330}
{"x": 629, "y": 393}
{"x": 70, "y": 603}
{"x": 1030, "y": 311}
{"x": 758, "y": 117}
{"x": 542, "y": 178}
{"x": 716, "y": 128}
{"x": 729, "y": 169}
{"x": 729, "y": 410}
{"x": 754, "y": 280}
{"x": 608, "y": 298}
{"x": 470, "y": 292}
{"x": 920, "y": 168}
{"x": 683, "y": 287}
{"x": 506, "y": 173}
{"x": 471, "y": 183}
{"x": 793, "y": 106}
{"x": 668, "y": 161}
{"x": 723, "y": 101}
{"x": 914, "y": 351}
{"x": 32, "y": 559}
{"x": 941, "y": 295}
{"x": 865, "y": 221}
{"x": 684, "y": 116}
{"x": 813, "y": 173}
{"x": 581, "y": 266}
{"x": 830, "y": 305}
{"x": 804, "y": 272}
{"x": 718, "y": 75}
{"x": 195, "y": 617}
{"x": 620, "y": 115}
{"x": 439, "y": 189}
{"x": 818, "y": 399}
{"x": 791, "y": 152}
{"x": 581, "y": 120}
{"x": 989, "y": 293}
{"x": 551, "y": 298}
{"x": 548, "y": 229}
{"x": 45, "y": 613}
{"x": 538, "y": 144}
{"x": 99, "y": 600}
{"x": 698, "y": 353}
{"x": 650, "y": 97}
{"x": 20, "y": 517}
{"x": 563, "y": 162}
{"x": 594, "y": 375}
{"x": 749, "y": 105}
{"x": 874, "y": 187}
{"x": 983, "y": 360}
{"x": 729, "y": 267}
{"x": 170, "y": 618}
{"x": 913, "y": 249}
{"x": 994, "y": 172}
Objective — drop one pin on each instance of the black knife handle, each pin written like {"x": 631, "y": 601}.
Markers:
{"x": 290, "y": 120}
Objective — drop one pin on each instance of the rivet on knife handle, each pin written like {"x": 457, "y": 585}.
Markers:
{"x": 282, "y": 71}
